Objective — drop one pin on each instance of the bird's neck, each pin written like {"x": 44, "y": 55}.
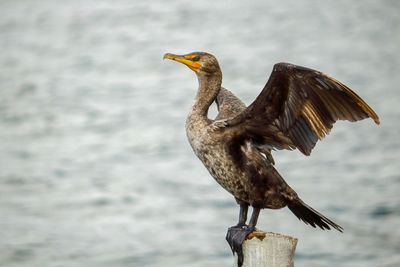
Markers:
{"x": 209, "y": 87}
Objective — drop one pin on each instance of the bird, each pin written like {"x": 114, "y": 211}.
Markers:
{"x": 297, "y": 107}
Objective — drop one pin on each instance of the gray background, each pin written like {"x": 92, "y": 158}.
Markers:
{"x": 95, "y": 169}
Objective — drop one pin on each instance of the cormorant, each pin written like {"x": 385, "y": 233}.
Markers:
{"x": 297, "y": 107}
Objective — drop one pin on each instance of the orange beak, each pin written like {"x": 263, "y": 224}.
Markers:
{"x": 185, "y": 59}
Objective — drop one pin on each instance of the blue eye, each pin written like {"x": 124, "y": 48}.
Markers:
{"x": 196, "y": 58}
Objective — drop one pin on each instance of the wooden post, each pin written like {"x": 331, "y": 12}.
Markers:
{"x": 266, "y": 249}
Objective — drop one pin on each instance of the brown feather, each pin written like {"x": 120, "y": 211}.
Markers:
{"x": 303, "y": 104}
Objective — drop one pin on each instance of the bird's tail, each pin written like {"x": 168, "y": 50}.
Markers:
{"x": 310, "y": 216}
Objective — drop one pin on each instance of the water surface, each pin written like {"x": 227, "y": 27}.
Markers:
{"x": 95, "y": 168}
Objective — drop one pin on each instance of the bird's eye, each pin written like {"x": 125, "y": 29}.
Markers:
{"x": 196, "y": 58}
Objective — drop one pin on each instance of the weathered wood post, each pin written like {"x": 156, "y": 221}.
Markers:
{"x": 266, "y": 249}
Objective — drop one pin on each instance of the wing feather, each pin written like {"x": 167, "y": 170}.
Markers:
{"x": 297, "y": 107}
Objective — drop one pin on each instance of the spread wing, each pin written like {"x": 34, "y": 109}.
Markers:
{"x": 297, "y": 107}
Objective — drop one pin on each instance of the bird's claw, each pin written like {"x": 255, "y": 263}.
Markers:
{"x": 218, "y": 124}
{"x": 235, "y": 237}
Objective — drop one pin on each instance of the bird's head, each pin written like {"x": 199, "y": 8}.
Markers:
{"x": 200, "y": 62}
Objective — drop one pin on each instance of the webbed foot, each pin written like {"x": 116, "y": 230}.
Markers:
{"x": 235, "y": 237}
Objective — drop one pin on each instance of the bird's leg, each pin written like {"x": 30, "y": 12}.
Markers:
{"x": 254, "y": 218}
{"x": 234, "y": 230}
{"x": 237, "y": 234}
{"x": 243, "y": 214}
{"x": 244, "y": 207}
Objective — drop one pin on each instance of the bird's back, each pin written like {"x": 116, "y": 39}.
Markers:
{"x": 228, "y": 104}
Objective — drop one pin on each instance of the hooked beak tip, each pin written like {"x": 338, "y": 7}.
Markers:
{"x": 168, "y": 56}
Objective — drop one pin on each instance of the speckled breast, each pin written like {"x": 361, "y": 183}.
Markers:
{"x": 220, "y": 166}
{"x": 210, "y": 149}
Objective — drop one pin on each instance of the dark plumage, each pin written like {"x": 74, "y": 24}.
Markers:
{"x": 297, "y": 107}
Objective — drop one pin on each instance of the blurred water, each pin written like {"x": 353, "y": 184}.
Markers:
{"x": 95, "y": 168}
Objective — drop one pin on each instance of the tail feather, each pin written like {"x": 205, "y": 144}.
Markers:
{"x": 310, "y": 216}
